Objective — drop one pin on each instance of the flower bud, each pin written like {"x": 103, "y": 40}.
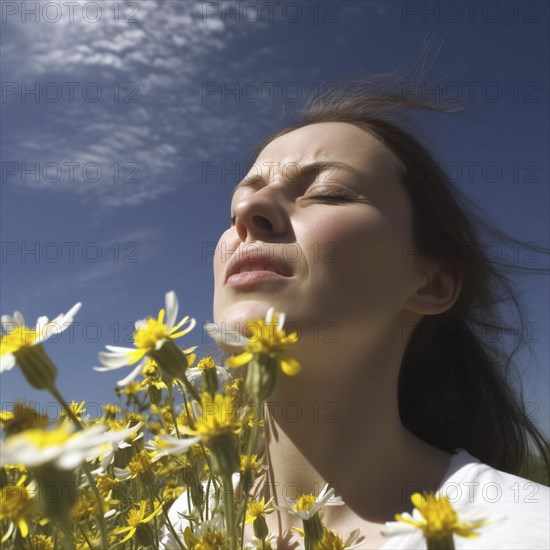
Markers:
{"x": 260, "y": 528}
{"x": 155, "y": 394}
{"x": 36, "y": 366}
{"x": 261, "y": 377}
{"x": 225, "y": 455}
{"x": 171, "y": 360}
{"x": 313, "y": 531}
{"x": 210, "y": 380}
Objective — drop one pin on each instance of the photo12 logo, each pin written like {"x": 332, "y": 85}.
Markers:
{"x": 69, "y": 12}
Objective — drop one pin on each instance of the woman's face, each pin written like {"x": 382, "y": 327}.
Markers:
{"x": 338, "y": 265}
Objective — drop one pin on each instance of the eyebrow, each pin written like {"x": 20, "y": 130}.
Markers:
{"x": 303, "y": 171}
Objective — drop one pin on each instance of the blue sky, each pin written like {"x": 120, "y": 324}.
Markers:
{"x": 133, "y": 129}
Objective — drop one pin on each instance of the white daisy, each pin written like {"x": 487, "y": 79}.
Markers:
{"x": 18, "y": 337}
{"x": 61, "y": 447}
{"x": 150, "y": 336}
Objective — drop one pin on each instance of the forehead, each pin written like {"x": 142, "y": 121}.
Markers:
{"x": 339, "y": 141}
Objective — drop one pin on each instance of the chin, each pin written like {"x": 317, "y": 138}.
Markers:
{"x": 234, "y": 316}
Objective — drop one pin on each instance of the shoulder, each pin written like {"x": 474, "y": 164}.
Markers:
{"x": 517, "y": 508}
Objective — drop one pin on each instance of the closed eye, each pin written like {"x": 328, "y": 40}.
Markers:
{"x": 332, "y": 196}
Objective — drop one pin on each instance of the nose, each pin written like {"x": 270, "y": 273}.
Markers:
{"x": 262, "y": 215}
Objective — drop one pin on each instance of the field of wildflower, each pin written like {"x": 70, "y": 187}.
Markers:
{"x": 190, "y": 431}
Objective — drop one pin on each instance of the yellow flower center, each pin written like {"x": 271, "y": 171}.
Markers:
{"x": 83, "y": 508}
{"x": 257, "y": 508}
{"x": 50, "y": 438}
{"x": 42, "y": 542}
{"x": 151, "y": 370}
{"x": 439, "y": 514}
{"x": 219, "y": 415}
{"x": 305, "y": 503}
{"x": 76, "y": 408}
{"x": 211, "y": 540}
{"x": 105, "y": 484}
{"x": 112, "y": 410}
{"x": 254, "y": 464}
{"x": 23, "y": 417}
{"x": 134, "y": 518}
{"x": 330, "y": 541}
{"x": 206, "y": 363}
{"x": 14, "y": 501}
{"x": 148, "y": 336}
{"x": 266, "y": 338}
{"x": 20, "y": 337}
{"x": 171, "y": 492}
{"x": 140, "y": 463}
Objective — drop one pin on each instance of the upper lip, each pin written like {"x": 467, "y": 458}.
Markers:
{"x": 244, "y": 259}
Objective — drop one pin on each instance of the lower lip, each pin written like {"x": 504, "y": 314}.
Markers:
{"x": 248, "y": 278}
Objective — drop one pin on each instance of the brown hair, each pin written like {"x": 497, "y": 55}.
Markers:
{"x": 455, "y": 386}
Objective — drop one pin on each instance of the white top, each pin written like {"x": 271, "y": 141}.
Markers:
{"x": 468, "y": 484}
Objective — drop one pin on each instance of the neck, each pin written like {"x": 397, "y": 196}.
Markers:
{"x": 338, "y": 422}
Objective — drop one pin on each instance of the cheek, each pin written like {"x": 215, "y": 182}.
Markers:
{"x": 359, "y": 261}
{"x": 221, "y": 256}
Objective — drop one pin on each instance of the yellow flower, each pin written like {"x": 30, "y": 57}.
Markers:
{"x": 436, "y": 518}
{"x": 332, "y": 541}
{"x": 18, "y": 337}
{"x": 135, "y": 519}
{"x": 210, "y": 539}
{"x": 77, "y": 409}
{"x": 257, "y": 508}
{"x": 23, "y": 417}
{"x": 234, "y": 387}
{"x": 172, "y": 491}
{"x": 22, "y": 345}
{"x": 111, "y": 411}
{"x": 84, "y": 508}
{"x": 206, "y": 363}
{"x": 106, "y": 484}
{"x": 268, "y": 339}
{"x": 219, "y": 416}
{"x": 254, "y": 463}
{"x": 62, "y": 447}
{"x": 16, "y": 501}
{"x": 140, "y": 463}
{"x": 42, "y": 542}
{"x": 150, "y": 337}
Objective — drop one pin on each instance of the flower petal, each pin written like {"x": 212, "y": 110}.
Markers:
{"x": 7, "y": 361}
{"x": 112, "y": 360}
{"x": 290, "y": 366}
{"x": 8, "y": 323}
{"x": 119, "y": 349}
{"x": 41, "y": 322}
{"x": 239, "y": 360}
{"x": 126, "y": 380}
{"x": 172, "y": 306}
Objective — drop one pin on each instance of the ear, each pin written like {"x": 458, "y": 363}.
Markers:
{"x": 439, "y": 292}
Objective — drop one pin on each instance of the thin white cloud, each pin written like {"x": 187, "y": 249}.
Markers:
{"x": 119, "y": 256}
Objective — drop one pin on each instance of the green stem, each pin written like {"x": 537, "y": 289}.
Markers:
{"x": 440, "y": 543}
{"x": 86, "y": 538}
{"x": 187, "y": 406}
{"x": 229, "y": 509}
{"x": 152, "y": 501}
{"x": 85, "y": 467}
{"x": 172, "y": 411}
{"x": 172, "y": 530}
{"x": 252, "y": 444}
{"x": 191, "y": 389}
